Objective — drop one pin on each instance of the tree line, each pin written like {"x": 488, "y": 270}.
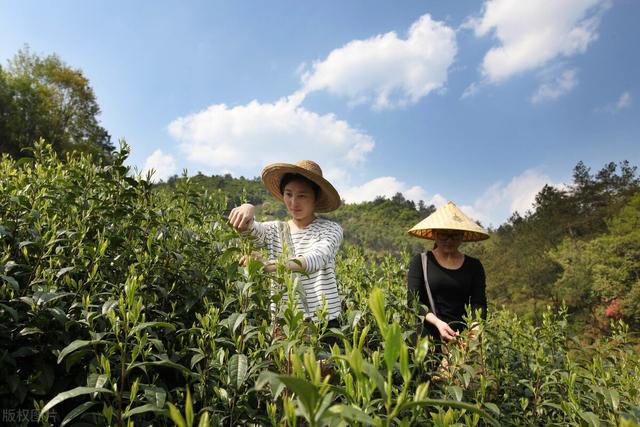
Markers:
{"x": 578, "y": 246}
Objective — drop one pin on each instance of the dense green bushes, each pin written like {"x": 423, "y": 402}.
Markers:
{"x": 120, "y": 304}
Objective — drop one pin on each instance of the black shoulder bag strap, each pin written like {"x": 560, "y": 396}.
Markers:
{"x": 426, "y": 282}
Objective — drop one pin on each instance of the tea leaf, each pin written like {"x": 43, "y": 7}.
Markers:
{"x": 149, "y": 407}
{"x": 77, "y": 411}
{"x": 237, "y": 370}
{"x": 78, "y": 391}
{"x": 306, "y": 392}
{"x": 392, "y": 343}
{"x": 352, "y": 414}
{"x": 147, "y": 325}
{"x": 376, "y": 304}
{"x": 176, "y": 416}
{"x": 77, "y": 344}
{"x": 11, "y": 281}
{"x": 63, "y": 271}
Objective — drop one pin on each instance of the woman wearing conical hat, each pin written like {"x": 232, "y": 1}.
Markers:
{"x": 311, "y": 242}
{"x": 454, "y": 280}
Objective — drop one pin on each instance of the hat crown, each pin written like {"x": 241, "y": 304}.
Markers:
{"x": 311, "y": 166}
{"x": 449, "y": 217}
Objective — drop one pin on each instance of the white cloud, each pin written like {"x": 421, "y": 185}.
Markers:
{"x": 624, "y": 101}
{"x": 499, "y": 201}
{"x": 163, "y": 165}
{"x": 386, "y": 70}
{"x": 532, "y": 33}
{"x": 388, "y": 186}
{"x": 471, "y": 90}
{"x": 244, "y": 138}
{"x": 552, "y": 90}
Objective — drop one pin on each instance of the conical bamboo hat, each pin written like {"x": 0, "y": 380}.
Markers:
{"x": 449, "y": 217}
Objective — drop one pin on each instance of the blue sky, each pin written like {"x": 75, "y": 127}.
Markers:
{"x": 477, "y": 102}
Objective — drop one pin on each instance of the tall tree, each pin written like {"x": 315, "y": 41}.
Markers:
{"x": 46, "y": 98}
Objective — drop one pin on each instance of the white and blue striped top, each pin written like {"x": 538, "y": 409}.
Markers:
{"x": 318, "y": 244}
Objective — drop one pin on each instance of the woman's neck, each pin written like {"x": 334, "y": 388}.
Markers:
{"x": 449, "y": 259}
{"x": 299, "y": 224}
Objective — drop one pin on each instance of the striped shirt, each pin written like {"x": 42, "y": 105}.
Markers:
{"x": 318, "y": 244}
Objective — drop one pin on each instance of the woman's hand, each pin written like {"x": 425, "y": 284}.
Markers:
{"x": 269, "y": 266}
{"x": 244, "y": 259}
{"x": 446, "y": 332}
{"x": 241, "y": 217}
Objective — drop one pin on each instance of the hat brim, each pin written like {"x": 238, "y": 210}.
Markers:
{"x": 449, "y": 217}
{"x": 328, "y": 200}
{"x": 469, "y": 236}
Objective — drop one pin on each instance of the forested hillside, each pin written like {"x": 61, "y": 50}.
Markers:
{"x": 579, "y": 246}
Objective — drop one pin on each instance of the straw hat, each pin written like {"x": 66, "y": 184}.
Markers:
{"x": 449, "y": 217}
{"x": 328, "y": 200}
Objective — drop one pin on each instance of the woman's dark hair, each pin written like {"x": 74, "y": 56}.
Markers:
{"x": 288, "y": 177}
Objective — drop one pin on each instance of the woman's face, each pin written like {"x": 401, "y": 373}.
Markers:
{"x": 299, "y": 199}
{"x": 448, "y": 240}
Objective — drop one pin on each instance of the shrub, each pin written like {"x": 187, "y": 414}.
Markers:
{"x": 123, "y": 305}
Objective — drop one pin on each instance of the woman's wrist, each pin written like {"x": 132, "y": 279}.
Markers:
{"x": 433, "y": 319}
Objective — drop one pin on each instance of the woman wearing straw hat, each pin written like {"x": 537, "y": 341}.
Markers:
{"x": 311, "y": 242}
{"x": 445, "y": 279}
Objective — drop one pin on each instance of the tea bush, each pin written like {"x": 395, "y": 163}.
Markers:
{"x": 123, "y": 305}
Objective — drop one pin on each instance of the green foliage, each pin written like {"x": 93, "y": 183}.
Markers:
{"x": 555, "y": 252}
{"x": 601, "y": 276}
{"x": 381, "y": 225}
{"x": 124, "y": 305}
{"x": 236, "y": 190}
{"x": 45, "y": 98}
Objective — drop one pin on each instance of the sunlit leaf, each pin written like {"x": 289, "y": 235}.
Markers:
{"x": 77, "y": 344}
{"x": 376, "y": 304}
{"x": 78, "y": 391}
{"x": 237, "y": 368}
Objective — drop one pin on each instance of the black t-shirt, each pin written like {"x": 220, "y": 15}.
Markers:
{"x": 452, "y": 290}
